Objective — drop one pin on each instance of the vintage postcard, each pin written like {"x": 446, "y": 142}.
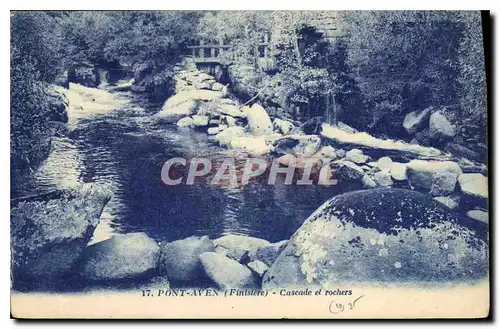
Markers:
{"x": 249, "y": 164}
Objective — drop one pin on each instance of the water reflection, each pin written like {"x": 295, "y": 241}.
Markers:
{"x": 126, "y": 150}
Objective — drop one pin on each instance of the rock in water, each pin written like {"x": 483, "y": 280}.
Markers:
{"x": 440, "y": 127}
{"x": 348, "y": 170}
{"x": 259, "y": 121}
{"x": 282, "y": 126}
{"x": 356, "y": 156}
{"x": 443, "y": 183}
{"x": 447, "y": 201}
{"x": 475, "y": 185}
{"x": 227, "y": 273}
{"x": 179, "y": 260}
{"x": 383, "y": 178}
{"x": 420, "y": 172}
{"x": 415, "y": 120}
{"x": 185, "y": 122}
{"x": 380, "y": 236}
{"x": 268, "y": 254}
{"x": 248, "y": 243}
{"x": 479, "y": 215}
{"x": 120, "y": 257}
{"x": 398, "y": 171}
{"x": 48, "y": 236}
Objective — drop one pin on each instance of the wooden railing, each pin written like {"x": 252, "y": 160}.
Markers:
{"x": 212, "y": 53}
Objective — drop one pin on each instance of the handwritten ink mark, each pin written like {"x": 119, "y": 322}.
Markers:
{"x": 336, "y": 307}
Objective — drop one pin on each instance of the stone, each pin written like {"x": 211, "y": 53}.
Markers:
{"x": 328, "y": 152}
{"x": 207, "y": 85}
{"x": 248, "y": 243}
{"x": 225, "y": 137}
{"x": 200, "y": 120}
{"x": 420, "y": 172}
{"x": 260, "y": 268}
{"x": 385, "y": 163}
{"x": 124, "y": 256}
{"x": 340, "y": 153}
{"x": 383, "y": 178}
{"x": 356, "y": 156}
{"x": 269, "y": 253}
{"x": 288, "y": 159}
{"x": 259, "y": 121}
{"x": 282, "y": 126}
{"x": 462, "y": 151}
{"x": 216, "y": 86}
{"x": 398, "y": 171}
{"x": 173, "y": 114}
{"x": 440, "y": 127}
{"x": 346, "y": 128}
{"x": 213, "y": 130}
{"x": 255, "y": 146}
{"x": 475, "y": 185}
{"x": 368, "y": 182}
{"x": 381, "y": 236}
{"x": 231, "y": 110}
{"x": 185, "y": 122}
{"x": 50, "y": 232}
{"x": 230, "y": 121}
{"x": 348, "y": 170}
{"x": 307, "y": 146}
{"x": 179, "y": 260}
{"x": 190, "y": 96}
{"x": 479, "y": 215}
{"x": 227, "y": 273}
{"x": 416, "y": 120}
{"x": 448, "y": 202}
{"x": 443, "y": 184}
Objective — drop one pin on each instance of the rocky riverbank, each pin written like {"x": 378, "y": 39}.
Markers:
{"x": 202, "y": 103}
{"x": 377, "y": 234}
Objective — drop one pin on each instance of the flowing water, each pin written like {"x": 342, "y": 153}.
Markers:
{"x": 125, "y": 149}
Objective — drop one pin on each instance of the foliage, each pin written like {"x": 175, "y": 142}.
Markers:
{"x": 34, "y": 63}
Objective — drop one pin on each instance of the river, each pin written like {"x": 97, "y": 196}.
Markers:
{"x": 125, "y": 148}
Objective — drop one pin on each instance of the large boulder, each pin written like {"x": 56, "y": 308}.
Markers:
{"x": 49, "y": 232}
{"x": 125, "y": 256}
{"x": 440, "y": 127}
{"x": 179, "y": 260}
{"x": 381, "y": 236}
{"x": 416, "y": 120}
{"x": 259, "y": 121}
{"x": 420, "y": 172}
{"x": 227, "y": 273}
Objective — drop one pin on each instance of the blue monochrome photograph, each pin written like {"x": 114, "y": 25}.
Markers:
{"x": 249, "y": 164}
